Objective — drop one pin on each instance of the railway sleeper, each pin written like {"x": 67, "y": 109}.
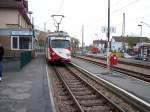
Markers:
{"x": 91, "y": 102}
{"x": 87, "y": 97}
{"x": 67, "y": 108}
{"x": 82, "y": 93}
{"x": 79, "y": 89}
{"x": 64, "y": 98}
{"x": 76, "y": 86}
{"x": 97, "y": 109}
{"x": 72, "y": 78}
{"x": 62, "y": 93}
{"x": 67, "y": 102}
{"x": 74, "y": 83}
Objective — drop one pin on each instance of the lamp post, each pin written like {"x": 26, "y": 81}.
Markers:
{"x": 32, "y": 26}
{"x": 141, "y": 54}
{"x": 82, "y": 39}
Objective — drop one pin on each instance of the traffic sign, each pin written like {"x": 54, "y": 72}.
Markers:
{"x": 104, "y": 29}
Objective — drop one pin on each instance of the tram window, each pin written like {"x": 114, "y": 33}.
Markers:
{"x": 60, "y": 44}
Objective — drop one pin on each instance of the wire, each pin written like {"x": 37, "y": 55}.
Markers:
{"x": 140, "y": 17}
{"x": 60, "y": 6}
{"x": 129, "y": 4}
{"x": 117, "y": 2}
{"x": 119, "y": 9}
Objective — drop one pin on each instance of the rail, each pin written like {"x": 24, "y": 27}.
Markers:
{"x": 96, "y": 100}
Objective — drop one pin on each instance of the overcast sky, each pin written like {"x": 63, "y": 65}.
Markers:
{"x": 93, "y": 15}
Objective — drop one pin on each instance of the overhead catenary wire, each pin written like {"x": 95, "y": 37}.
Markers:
{"x": 127, "y": 5}
{"x": 117, "y": 2}
{"x": 60, "y": 6}
{"x": 119, "y": 9}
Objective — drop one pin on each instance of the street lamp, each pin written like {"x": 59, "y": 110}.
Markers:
{"x": 30, "y": 13}
{"x": 139, "y": 25}
{"x": 140, "y": 30}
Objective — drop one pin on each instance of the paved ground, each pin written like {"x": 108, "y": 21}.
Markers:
{"x": 137, "y": 87}
{"x": 26, "y": 90}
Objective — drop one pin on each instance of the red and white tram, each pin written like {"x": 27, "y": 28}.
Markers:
{"x": 58, "y": 47}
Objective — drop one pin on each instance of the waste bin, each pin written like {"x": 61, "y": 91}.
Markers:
{"x": 113, "y": 60}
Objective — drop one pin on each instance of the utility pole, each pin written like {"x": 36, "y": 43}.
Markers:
{"x": 82, "y": 39}
{"x": 123, "y": 33}
{"x": 108, "y": 35}
{"x": 45, "y": 26}
{"x": 141, "y": 40}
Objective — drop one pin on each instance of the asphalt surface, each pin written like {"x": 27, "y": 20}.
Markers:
{"x": 134, "y": 86}
{"x": 26, "y": 90}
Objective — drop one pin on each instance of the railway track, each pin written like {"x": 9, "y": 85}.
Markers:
{"x": 77, "y": 94}
{"x": 121, "y": 61}
{"x": 136, "y": 74}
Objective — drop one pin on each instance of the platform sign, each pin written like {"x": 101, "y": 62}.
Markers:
{"x": 104, "y": 29}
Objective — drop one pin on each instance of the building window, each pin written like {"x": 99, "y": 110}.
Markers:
{"x": 25, "y": 43}
{"x": 14, "y": 42}
{"x": 18, "y": 43}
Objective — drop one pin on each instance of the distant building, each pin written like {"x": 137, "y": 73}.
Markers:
{"x": 100, "y": 44}
{"x": 129, "y": 42}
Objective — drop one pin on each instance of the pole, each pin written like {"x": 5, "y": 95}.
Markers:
{"x": 108, "y": 34}
{"x": 45, "y": 26}
{"x": 141, "y": 42}
{"x": 141, "y": 54}
{"x": 123, "y": 33}
{"x": 33, "y": 33}
{"x": 82, "y": 39}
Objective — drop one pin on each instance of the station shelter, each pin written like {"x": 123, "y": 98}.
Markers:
{"x": 19, "y": 44}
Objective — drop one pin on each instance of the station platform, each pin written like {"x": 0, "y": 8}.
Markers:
{"x": 135, "y": 87}
{"x": 26, "y": 90}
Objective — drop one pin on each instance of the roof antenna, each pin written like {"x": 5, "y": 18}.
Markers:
{"x": 57, "y": 20}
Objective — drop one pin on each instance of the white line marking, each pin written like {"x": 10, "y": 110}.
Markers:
{"x": 50, "y": 94}
{"x": 124, "y": 91}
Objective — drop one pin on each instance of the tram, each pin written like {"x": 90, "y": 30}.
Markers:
{"x": 58, "y": 47}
